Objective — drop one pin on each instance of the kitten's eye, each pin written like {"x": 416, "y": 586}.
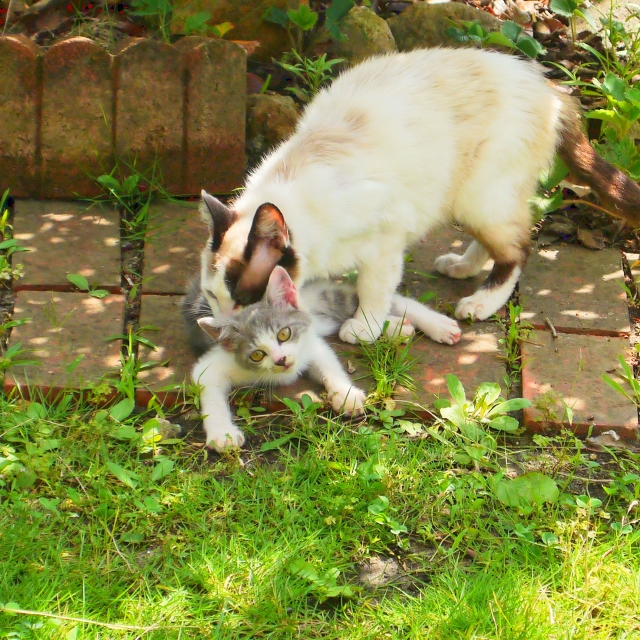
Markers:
{"x": 284, "y": 334}
{"x": 257, "y": 356}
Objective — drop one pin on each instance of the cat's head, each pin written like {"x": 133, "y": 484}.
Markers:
{"x": 268, "y": 336}
{"x": 241, "y": 254}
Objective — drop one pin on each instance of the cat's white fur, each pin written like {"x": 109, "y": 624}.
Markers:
{"x": 218, "y": 372}
{"x": 396, "y": 147}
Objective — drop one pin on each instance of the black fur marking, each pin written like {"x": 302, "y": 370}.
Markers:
{"x": 500, "y": 273}
{"x": 221, "y": 219}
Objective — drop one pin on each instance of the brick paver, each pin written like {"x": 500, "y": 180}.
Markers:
{"x": 163, "y": 313}
{"x": 577, "y": 289}
{"x": 475, "y": 359}
{"x": 66, "y": 237}
{"x": 172, "y": 250}
{"x": 571, "y": 367}
{"x": 61, "y": 327}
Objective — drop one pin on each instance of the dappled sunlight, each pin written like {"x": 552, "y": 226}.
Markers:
{"x": 111, "y": 242}
{"x": 549, "y": 254}
{"x": 587, "y": 288}
{"x": 578, "y": 313}
{"x": 163, "y": 268}
{"x": 86, "y": 272}
{"x": 98, "y": 220}
{"x": 93, "y": 306}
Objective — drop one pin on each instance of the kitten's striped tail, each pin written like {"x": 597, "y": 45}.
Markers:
{"x": 619, "y": 194}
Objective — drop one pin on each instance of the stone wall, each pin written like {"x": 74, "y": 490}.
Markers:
{"x": 70, "y": 112}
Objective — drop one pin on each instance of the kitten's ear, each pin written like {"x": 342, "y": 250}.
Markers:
{"x": 216, "y": 330}
{"x": 281, "y": 292}
{"x": 217, "y": 216}
{"x": 267, "y": 242}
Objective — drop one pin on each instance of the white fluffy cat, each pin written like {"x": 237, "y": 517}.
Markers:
{"x": 396, "y": 147}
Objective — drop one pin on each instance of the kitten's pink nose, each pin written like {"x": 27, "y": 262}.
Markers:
{"x": 282, "y": 362}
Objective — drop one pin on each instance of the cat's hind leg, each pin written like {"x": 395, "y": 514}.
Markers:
{"x": 465, "y": 266}
{"x": 509, "y": 246}
{"x": 434, "y": 325}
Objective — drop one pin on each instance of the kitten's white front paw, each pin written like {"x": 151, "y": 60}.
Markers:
{"x": 399, "y": 327}
{"x": 348, "y": 401}
{"x": 445, "y": 331}
{"x": 352, "y": 331}
{"x": 454, "y": 266}
{"x": 223, "y": 437}
{"x": 479, "y": 306}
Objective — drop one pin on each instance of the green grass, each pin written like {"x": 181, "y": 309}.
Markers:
{"x": 269, "y": 546}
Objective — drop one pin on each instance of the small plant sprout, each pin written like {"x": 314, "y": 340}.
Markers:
{"x": 8, "y": 246}
{"x": 313, "y": 74}
{"x": 511, "y": 36}
{"x": 198, "y": 24}
{"x": 82, "y": 283}
{"x": 573, "y": 9}
{"x": 632, "y": 393}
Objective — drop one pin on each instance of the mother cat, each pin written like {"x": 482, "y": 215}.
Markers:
{"x": 396, "y": 147}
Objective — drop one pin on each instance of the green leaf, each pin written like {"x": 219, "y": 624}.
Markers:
{"x": 132, "y": 537}
{"x": 26, "y": 478}
{"x": 126, "y": 477}
{"x": 338, "y": 10}
{"x": 507, "y": 406}
{"x": 7, "y": 244}
{"x": 109, "y": 182}
{"x": 563, "y": 7}
{"x": 530, "y": 46}
{"x": 277, "y": 16}
{"x": 455, "y": 389}
{"x": 497, "y": 38}
{"x": 79, "y": 281}
{"x": 122, "y": 410}
{"x": 504, "y": 423}
{"x": 162, "y": 469}
{"x": 530, "y": 488}
{"x": 379, "y": 505}
{"x": 488, "y": 392}
{"x": 99, "y": 293}
{"x": 196, "y": 22}
{"x": 277, "y": 443}
{"x": 614, "y": 86}
{"x": 428, "y": 295}
{"x": 306, "y": 570}
{"x": 222, "y": 28}
{"x": 35, "y": 410}
{"x": 511, "y": 30}
{"x": 71, "y": 367}
{"x": 303, "y": 18}
{"x": 556, "y": 174}
{"x": 126, "y": 432}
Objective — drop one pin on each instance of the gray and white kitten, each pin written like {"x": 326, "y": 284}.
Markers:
{"x": 271, "y": 342}
{"x": 276, "y": 340}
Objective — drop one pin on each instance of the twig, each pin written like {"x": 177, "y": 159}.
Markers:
{"x": 548, "y": 322}
{"x": 108, "y": 625}
{"x": 590, "y": 204}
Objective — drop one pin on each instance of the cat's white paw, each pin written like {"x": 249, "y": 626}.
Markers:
{"x": 353, "y": 331}
{"x": 455, "y": 266}
{"x": 445, "y": 331}
{"x": 223, "y": 437}
{"x": 479, "y": 306}
{"x": 399, "y": 327}
{"x": 348, "y": 401}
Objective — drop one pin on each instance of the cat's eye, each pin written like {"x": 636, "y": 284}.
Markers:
{"x": 284, "y": 334}
{"x": 257, "y": 356}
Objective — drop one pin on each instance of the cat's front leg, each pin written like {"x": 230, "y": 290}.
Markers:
{"x": 377, "y": 283}
{"x": 327, "y": 369}
{"x": 220, "y": 431}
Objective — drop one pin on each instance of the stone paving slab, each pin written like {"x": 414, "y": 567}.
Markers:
{"x": 66, "y": 237}
{"x": 61, "y": 327}
{"x": 576, "y": 288}
{"x": 420, "y": 275}
{"x": 571, "y": 367}
{"x": 163, "y": 313}
{"x": 477, "y": 358}
{"x": 172, "y": 249}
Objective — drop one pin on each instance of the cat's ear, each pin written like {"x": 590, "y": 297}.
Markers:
{"x": 267, "y": 243}
{"x": 281, "y": 292}
{"x": 218, "y": 218}
{"x": 216, "y": 330}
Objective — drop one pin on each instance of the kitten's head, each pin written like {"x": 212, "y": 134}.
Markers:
{"x": 268, "y": 336}
{"x": 241, "y": 254}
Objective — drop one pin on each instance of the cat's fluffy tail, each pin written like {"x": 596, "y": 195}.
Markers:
{"x": 619, "y": 194}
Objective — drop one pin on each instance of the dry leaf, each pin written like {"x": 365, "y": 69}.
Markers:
{"x": 249, "y": 46}
{"x": 351, "y": 368}
{"x": 592, "y": 239}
